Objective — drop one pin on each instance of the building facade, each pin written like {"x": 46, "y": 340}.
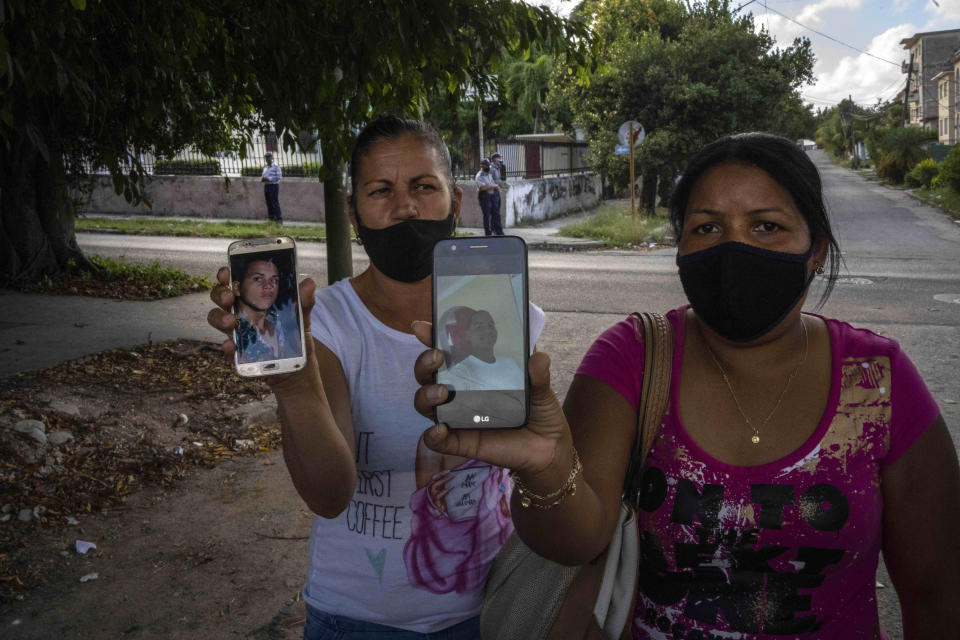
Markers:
{"x": 930, "y": 54}
{"x": 946, "y": 104}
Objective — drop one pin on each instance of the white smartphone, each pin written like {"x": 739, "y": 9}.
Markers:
{"x": 269, "y": 329}
{"x": 481, "y": 323}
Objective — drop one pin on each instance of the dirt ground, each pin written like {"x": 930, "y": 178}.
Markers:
{"x": 198, "y": 531}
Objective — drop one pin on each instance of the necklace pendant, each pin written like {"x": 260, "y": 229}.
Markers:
{"x": 755, "y": 439}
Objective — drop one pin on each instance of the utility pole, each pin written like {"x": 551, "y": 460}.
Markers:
{"x": 853, "y": 140}
{"x": 906, "y": 93}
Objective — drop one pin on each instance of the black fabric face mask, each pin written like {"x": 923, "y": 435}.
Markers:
{"x": 740, "y": 291}
{"x": 404, "y": 251}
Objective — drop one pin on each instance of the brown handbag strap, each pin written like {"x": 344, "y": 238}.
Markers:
{"x": 657, "y": 336}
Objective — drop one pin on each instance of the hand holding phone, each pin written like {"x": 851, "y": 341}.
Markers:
{"x": 268, "y": 331}
{"x": 531, "y": 448}
{"x": 481, "y": 323}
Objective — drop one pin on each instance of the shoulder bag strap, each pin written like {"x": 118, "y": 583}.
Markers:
{"x": 657, "y": 336}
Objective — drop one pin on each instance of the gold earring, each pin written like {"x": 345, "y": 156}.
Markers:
{"x": 819, "y": 269}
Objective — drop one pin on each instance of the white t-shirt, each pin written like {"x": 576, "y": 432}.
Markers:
{"x": 401, "y": 555}
{"x": 272, "y": 173}
{"x": 473, "y": 374}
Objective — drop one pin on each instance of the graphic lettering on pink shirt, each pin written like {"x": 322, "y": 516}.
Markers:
{"x": 780, "y": 553}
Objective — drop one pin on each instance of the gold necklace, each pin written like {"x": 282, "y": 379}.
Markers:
{"x": 755, "y": 438}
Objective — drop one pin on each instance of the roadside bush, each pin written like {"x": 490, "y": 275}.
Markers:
{"x": 889, "y": 169}
{"x": 950, "y": 169}
{"x": 923, "y": 174}
{"x": 902, "y": 149}
{"x": 187, "y": 167}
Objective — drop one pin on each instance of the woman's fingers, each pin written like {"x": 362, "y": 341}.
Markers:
{"x": 429, "y": 396}
{"x": 307, "y": 290}
{"x": 424, "y": 332}
{"x": 222, "y": 294}
{"x": 222, "y": 321}
{"x": 426, "y": 365}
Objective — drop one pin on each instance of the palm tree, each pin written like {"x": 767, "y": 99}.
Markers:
{"x": 902, "y": 149}
{"x": 526, "y": 83}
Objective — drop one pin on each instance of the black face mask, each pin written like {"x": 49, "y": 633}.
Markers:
{"x": 404, "y": 251}
{"x": 740, "y": 291}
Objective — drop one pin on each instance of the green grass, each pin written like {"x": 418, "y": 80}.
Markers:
{"x": 614, "y": 225}
{"x": 200, "y": 228}
{"x": 122, "y": 280}
{"x": 943, "y": 197}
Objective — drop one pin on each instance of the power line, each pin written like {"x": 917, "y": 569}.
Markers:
{"x": 819, "y": 33}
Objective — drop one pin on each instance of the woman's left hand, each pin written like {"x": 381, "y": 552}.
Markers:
{"x": 530, "y": 449}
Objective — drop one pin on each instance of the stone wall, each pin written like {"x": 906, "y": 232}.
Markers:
{"x": 301, "y": 199}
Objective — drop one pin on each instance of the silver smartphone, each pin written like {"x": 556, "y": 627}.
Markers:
{"x": 269, "y": 329}
{"x": 481, "y": 323}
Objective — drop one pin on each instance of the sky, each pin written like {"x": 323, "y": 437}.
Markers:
{"x": 867, "y": 71}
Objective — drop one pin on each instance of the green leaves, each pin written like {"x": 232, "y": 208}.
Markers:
{"x": 689, "y": 72}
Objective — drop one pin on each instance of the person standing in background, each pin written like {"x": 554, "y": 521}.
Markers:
{"x": 488, "y": 193}
{"x": 499, "y": 172}
{"x": 271, "y": 189}
{"x": 498, "y": 168}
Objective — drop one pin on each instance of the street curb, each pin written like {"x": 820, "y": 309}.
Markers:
{"x": 539, "y": 245}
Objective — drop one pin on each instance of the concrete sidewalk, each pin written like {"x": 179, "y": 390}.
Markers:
{"x": 51, "y": 329}
{"x": 541, "y": 237}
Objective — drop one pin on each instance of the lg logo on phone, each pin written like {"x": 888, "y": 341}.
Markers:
{"x": 479, "y": 419}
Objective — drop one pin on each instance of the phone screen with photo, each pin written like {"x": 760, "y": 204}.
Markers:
{"x": 480, "y": 324}
{"x": 269, "y": 330}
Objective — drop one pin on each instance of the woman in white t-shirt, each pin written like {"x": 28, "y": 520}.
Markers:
{"x": 405, "y": 537}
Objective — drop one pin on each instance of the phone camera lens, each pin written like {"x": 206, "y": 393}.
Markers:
{"x": 279, "y": 240}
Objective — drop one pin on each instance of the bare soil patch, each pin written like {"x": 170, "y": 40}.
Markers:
{"x": 198, "y": 530}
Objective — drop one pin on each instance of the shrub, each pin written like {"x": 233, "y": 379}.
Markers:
{"x": 889, "y": 169}
{"x": 305, "y": 170}
{"x": 902, "y": 148}
{"x": 187, "y": 167}
{"x": 923, "y": 173}
{"x": 950, "y": 169}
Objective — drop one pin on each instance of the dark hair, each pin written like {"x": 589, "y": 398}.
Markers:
{"x": 783, "y": 161}
{"x": 243, "y": 266}
{"x": 389, "y": 127}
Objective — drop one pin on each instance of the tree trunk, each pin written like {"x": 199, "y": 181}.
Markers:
{"x": 36, "y": 217}
{"x": 648, "y": 192}
{"x": 339, "y": 252}
{"x": 665, "y": 189}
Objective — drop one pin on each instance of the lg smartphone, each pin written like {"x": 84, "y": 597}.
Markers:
{"x": 481, "y": 323}
{"x": 269, "y": 329}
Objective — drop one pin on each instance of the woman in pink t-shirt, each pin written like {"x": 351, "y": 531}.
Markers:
{"x": 794, "y": 450}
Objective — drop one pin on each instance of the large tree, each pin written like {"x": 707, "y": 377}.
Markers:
{"x": 90, "y": 83}
{"x": 689, "y": 72}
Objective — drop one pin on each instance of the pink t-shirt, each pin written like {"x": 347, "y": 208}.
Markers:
{"x": 787, "y": 549}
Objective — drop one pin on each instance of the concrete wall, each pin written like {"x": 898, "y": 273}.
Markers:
{"x": 301, "y": 199}
{"x": 212, "y": 197}
{"x": 550, "y": 197}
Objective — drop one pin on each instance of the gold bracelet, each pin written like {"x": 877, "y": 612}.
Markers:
{"x": 530, "y": 499}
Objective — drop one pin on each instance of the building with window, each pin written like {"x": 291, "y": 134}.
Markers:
{"x": 929, "y": 55}
{"x": 946, "y": 105}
